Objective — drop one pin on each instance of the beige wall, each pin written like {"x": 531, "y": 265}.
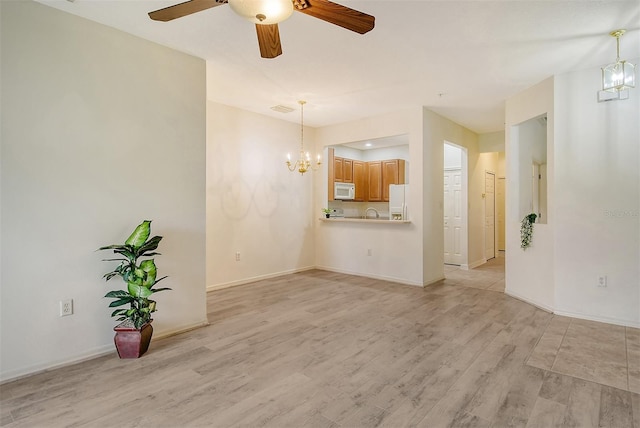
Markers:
{"x": 597, "y": 201}
{"x": 255, "y": 205}
{"x": 593, "y": 200}
{"x": 100, "y": 130}
{"x": 529, "y": 273}
{"x": 396, "y": 248}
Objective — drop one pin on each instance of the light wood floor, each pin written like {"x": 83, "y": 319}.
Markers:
{"x": 321, "y": 349}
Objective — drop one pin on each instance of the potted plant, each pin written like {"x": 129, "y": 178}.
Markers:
{"x": 134, "y": 333}
{"x": 327, "y": 212}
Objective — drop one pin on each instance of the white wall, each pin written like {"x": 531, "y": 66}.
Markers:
{"x": 255, "y": 205}
{"x": 597, "y": 194}
{"x": 529, "y": 273}
{"x": 396, "y": 248}
{"x": 593, "y": 202}
{"x": 100, "y": 130}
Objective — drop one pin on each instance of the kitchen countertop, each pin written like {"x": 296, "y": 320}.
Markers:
{"x": 363, "y": 220}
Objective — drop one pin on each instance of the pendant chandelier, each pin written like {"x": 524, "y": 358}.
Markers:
{"x": 618, "y": 77}
{"x": 303, "y": 164}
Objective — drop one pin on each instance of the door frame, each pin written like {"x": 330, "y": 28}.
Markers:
{"x": 464, "y": 240}
{"x": 484, "y": 211}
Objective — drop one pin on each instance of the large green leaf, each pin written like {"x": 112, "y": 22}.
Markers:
{"x": 149, "y": 267}
{"x": 140, "y": 234}
{"x": 120, "y": 302}
{"x": 112, "y": 247}
{"x": 117, "y": 294}
{"x": 154, "y": 290}
{"x": 139, "y": 291}
{"x": 150, "y": 245}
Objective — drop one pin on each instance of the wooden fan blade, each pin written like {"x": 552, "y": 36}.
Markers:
{"x": 269, "y": 40}
{"x": 337, "y": 14}
{"x": 184, "y": 9}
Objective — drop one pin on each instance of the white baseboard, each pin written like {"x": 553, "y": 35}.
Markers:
{"x": 474, "y": 264}
{"x": 606, "y": 320}
{"x": 213, "y": 287}
{"x": 99, "y": 351}
{"x": 426, "y": 284}
{"x": 51, "y": 365}
{"x": 380, "y": 277}
{"x": 530, "y": 301}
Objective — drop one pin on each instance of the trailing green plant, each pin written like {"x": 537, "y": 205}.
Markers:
{"x": 526, "y": 230}
{"x": 140, "y": 277}
{"x": 326, "y": 210}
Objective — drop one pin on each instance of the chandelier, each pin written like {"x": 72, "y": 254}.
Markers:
{"x": 617, "y": 78}
{"x": 303, "y": 164}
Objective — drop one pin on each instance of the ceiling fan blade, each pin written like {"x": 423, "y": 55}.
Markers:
{"x": 184, "y": 9}
{"x": 337, "y": 14}
{"x": 269, "y": 40}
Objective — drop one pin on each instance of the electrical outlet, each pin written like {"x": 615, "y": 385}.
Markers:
{"x": 602, "y": 281}
{"x": 238, "y": 256}
{"x": 66, "y": 307}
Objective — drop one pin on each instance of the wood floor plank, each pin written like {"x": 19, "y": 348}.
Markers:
{"x": 327, "y": 349}
{"x": 583, "y": 408}
{"x": 546, "y": 414}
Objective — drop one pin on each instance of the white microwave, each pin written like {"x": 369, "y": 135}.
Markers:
{"x": 344, "y": 191}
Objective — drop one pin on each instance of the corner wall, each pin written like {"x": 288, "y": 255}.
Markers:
{"x": 100, "y": 130}
{"x": 255, "y": 206}
{"x": 597, "y": 188}
{"x": 396, "y": 248}
{"x": 529, "y": 273}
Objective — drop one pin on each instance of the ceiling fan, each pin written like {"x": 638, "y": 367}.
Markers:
{"x": 267, "y": 13}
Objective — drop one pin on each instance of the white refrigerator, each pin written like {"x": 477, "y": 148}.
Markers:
{"x": 398, "y": 196}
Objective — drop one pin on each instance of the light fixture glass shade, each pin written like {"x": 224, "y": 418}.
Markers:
{"x": 618, "y": 76}
{"x": 263, "y": 11}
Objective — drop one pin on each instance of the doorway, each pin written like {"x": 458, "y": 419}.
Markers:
{"x": 455, "y": 205}
{"x": 489, "y": 215}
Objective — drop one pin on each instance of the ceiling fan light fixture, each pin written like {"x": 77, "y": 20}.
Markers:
{"x": 265, "y": 12}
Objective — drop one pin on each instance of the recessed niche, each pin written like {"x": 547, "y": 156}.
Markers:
{"x": 529, "y": 139}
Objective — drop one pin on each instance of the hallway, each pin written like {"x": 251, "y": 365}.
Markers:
{"x": 489, "y": 276}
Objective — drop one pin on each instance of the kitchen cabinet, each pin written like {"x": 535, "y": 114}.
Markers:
{"x": 342, "y": 170}
{"x": 371, "y": 179}
{"x": 347, "y": 170}
{"x": 338, "y": 169}
{"x": 374, "y": 178}
{"x": 360, "y": 180}
{"x": 393, "y": 171}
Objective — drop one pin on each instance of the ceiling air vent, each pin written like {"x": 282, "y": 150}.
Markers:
{"x": 282, "y": 109}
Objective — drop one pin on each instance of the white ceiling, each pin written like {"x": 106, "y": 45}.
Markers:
{"x": 461, "y": 59}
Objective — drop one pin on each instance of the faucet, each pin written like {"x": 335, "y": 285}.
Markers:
{"x": 366, "y": 213}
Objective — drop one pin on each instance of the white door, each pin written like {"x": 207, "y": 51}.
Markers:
{"x": 500, "y": 208}
{"x": 453, "y": 222}
{"x": 489, "y": 215}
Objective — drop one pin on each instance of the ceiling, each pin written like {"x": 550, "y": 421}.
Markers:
{"x": 461, "y": 59}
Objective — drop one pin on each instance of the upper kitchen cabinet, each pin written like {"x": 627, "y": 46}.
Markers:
{"x": 393, "y": 172}
{"x": 381, "y": 174}
{"x": 370, "y": 165}
{"x": 360, "y": 180}
{"x": 342, "y": 169}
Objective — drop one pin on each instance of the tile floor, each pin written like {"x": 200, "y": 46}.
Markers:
{"x": 597, "y": 352}
{"x": 603, "y": 353}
